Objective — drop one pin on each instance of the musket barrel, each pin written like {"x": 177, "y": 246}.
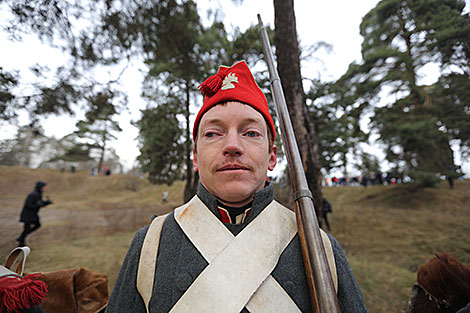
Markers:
{"x": 322, "y": 293}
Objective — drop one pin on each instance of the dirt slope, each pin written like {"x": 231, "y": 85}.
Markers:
{"x": 83, "y": 205}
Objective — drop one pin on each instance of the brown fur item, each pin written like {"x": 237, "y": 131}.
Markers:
{"x": 77, "y": 290}
{"x": 443, "y": 286}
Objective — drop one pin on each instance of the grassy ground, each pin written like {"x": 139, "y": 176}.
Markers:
{"x": 386, "y": 231}
{"x": 91, "y": 222}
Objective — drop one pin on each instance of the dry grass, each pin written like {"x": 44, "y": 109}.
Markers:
{"x": 91, "y": 223}
{"x": 100, "y": 253}
{"x": 386, "y": 231}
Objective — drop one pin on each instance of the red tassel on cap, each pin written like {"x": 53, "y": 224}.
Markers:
{"x": 211, "y": 85}
{"x": 21, "y": 293}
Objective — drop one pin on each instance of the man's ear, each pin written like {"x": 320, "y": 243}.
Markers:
{"x": 272, "y": 158}
{"x": 195, "y": 160}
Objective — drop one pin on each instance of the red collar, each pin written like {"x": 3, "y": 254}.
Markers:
{"x": 228, "y": 220}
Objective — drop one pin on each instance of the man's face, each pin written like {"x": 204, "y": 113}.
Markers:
{"x": 232, "y": 154}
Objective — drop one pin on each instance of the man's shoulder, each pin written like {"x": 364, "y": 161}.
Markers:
{"x": 334, "y": 242}
{"x": 167, "y": 217}
{"x": 34, "y": 194}
{"x": 282, "y": 207}
{"x": 168, "y": 227}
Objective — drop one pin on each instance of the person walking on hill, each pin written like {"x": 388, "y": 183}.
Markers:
{"x": 29, "y": 214}
{"x": 325, "y": 209}
{"x": 231, "y": 248}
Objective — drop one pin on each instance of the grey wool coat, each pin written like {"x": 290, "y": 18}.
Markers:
{"x": 179, "y": 264}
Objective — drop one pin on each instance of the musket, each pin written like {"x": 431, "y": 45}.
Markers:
{"x": 322, "y": 293}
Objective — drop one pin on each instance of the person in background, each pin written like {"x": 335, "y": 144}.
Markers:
{"x": 325, "y": 209}
{"x": 29, "y": 214}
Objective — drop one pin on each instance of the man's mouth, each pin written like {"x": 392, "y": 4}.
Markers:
{"x": 232, "y": 167}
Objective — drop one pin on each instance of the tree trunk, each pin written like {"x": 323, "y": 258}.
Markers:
{"x": 103, "y": 149}
{"x": 288, "y": 63}
{"x": 190, "y": 188}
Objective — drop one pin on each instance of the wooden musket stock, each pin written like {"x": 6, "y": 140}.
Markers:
{"x": 322, "y": 292}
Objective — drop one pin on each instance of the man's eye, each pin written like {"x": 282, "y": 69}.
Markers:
{"x": 252, "y": 134}
{"x": 209, "y": 134}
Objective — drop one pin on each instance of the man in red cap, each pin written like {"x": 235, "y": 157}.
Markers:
{"x": 233, "y": 136}
{"x": 232, "y": 248}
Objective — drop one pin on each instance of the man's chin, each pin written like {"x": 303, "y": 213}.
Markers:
{"x": 236, "y": 193}
{"x": 233, "y": 196}
{"x": 236, "y": 202}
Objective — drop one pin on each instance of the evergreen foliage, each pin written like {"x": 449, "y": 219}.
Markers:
{"x": 97, "y": 35}
{"x": 175, "y": 60}
{"x": 400, "y": 38}
{"x": 19, "y": 150}
{"x": 336, "y": 117}
{"x": 74, "y": 28}
{"x": 98, "y": 127}
{"x": 161, "y": 146}
{"x": 180, "y": 56}
{"x": 8, "y": 81}
{"x": 451, "y": 98}
{"x": 79, "y": 152}
{"x": 417, "y": 126}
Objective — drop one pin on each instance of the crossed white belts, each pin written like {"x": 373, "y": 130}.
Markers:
{"x": 239, "y": 270}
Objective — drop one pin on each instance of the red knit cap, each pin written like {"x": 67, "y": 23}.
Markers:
{"x": 234, "y": 83}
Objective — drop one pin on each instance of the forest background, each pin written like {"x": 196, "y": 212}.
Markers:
{"x": 422, "y": 128}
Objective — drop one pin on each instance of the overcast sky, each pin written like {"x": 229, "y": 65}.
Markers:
{"x": 334, "y": 21}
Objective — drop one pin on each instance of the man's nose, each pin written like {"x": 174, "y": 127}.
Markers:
{"x": 233, "y": 144}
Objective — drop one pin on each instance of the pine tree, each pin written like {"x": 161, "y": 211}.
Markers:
{"x": 451, "y": 96}
{"x": 19, "y": 151}
{"x": 161, "y": 146}
{"x": 74, "y": 28}
{"x": 400, "y": 37}
{"x": 180, "y": 56}
{"x": 336, "y": 119}
{"x": 98, "y": 127}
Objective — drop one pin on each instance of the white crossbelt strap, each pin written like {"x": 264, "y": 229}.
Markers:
{"x": 237, "y": 265}
{"x": 271, "y": 298}
{"x": 330, "y": 257}
{"x": 148, "y": 258}
{"x": 210, "y": 241}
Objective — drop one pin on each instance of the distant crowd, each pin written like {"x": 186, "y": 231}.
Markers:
{"x": 370, "y": 179}
{"x": 105, "y": 170}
